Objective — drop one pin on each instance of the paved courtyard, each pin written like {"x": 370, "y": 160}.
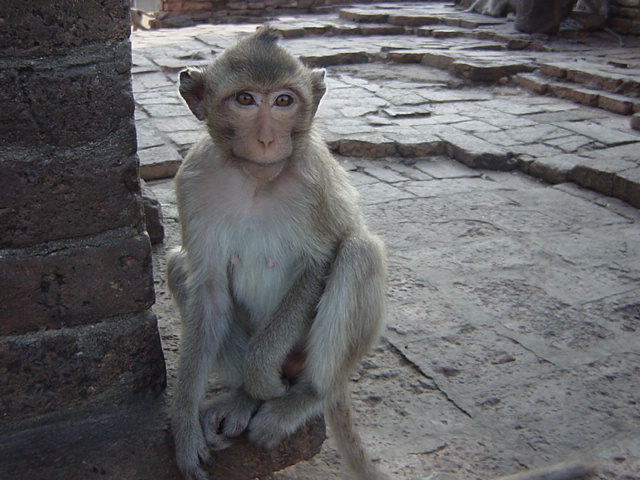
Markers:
{"x": 510, "y": 219}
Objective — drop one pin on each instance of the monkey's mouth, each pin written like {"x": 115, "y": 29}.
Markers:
{"x": 263, "y": 171}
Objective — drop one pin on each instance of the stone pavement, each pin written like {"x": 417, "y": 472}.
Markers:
{"x": 514, "y": 304}
{"x": 473, "y": 105}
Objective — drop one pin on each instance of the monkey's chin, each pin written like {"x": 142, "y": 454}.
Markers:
{"x": 263, "y": 171}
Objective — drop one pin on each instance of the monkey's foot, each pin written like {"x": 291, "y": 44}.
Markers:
{"x": 192, "y": 452}
{"x": 226, "y": 416}
{"x": 268, "y": 428}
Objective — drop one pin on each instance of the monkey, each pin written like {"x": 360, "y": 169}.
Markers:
{"x": 279, "y": 283}
{"x": 138, "y": 19}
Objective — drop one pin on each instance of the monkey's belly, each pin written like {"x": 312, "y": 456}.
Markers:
{"x": 260, "y": 278}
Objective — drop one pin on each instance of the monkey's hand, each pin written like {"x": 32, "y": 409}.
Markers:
{"x": 191, "y": 448}
{"x": 226, "y": 416}
{"x": 269, "y": 427}
{"x": 263, "y": 380}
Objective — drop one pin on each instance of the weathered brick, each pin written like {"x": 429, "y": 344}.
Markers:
{"x": 486, "y": 72}
{"x": 601, "y": 176}
{"x": 553, "y": 70}
{"x": 626, "y": 186}
{"x": 374, "y": 146}
{"x": 52, "y": 194}
{"x": 405, "y": 56}
{"x": 437, "y": 60}
{"x": 361, "y": 15}
{"x": 382, "y": 30}
{"x": 50, "y": 370}
{"x": 587, "y": 76}
{"x": 476, "y": 153}
{"x": 65, "y": 101}
{"x": 615, "y": 103}
{"x": 554, "y": 169}
{"x": 417, "y": 20}
{"x": 575, "y": 94}
{"x": 60, "y": 26}
{"x": 195, "y": 5}
{"x": 54, "y": 286}
{"x": 532, "y": 82}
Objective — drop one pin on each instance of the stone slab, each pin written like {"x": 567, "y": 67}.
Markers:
{"x": 159, "y": 162}
{"x": 60, "y": 285}
{"x": 55, "y": 370}
{"x": 51, "y": 193}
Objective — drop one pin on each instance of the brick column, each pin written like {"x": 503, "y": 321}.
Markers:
{"x": 75, "y": 261}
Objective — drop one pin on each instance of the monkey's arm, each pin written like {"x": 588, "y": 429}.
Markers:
{"x": 269, "y": 347}
{"x": 206, "y": 313}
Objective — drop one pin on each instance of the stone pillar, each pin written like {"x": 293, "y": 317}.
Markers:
{"x": 76, "y": 280}
{"x": 80, "y": 352}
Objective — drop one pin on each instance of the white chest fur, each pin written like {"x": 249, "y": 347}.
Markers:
{"x": 251, "y": 237}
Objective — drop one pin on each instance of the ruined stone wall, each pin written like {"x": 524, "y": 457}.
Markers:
{"x": 625, "y": 16}
{"x": 75, "y": 261}
{"x": 184, "y": 12}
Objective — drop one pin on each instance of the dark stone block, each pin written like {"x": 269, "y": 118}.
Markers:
{"x": 37, "y": 28}
{"x": 133, "y": 442}
{"x": 51, "y": 194}
{"x": 60, "y": 285}
{"x": 109, "y": 362}
{"x": 63, "y": 101}
{"x": 153, "y": 215}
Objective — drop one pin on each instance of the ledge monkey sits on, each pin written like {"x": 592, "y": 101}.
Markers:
{"x": 279, "y": 284}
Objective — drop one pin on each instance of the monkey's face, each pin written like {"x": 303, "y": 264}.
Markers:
{"x": 262, "y": 124}
{"x": 258, "y": 102}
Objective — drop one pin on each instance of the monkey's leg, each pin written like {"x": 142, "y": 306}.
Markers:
{"x": 205, "y": 311}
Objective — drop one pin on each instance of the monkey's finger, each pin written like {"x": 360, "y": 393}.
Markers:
{"x": 216, "y": 442}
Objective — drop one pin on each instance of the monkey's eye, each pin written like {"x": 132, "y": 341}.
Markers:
{"x": 284, "y": 100}
{"x": 244, "y": 98}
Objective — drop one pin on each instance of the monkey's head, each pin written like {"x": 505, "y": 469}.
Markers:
{"x": 258, "y": 102}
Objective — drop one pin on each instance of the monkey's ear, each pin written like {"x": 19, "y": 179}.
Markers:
{"x": 318, "y": 87}
{"x": 191, "y": 87}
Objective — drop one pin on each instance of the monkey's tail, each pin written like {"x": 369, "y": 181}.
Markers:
{"x": 339, "y": 417}
{"x": 561, "y": 471}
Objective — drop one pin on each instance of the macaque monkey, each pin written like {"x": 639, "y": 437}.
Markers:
{"x": 279, "y": 283}
{"x": 140, "y": 19}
